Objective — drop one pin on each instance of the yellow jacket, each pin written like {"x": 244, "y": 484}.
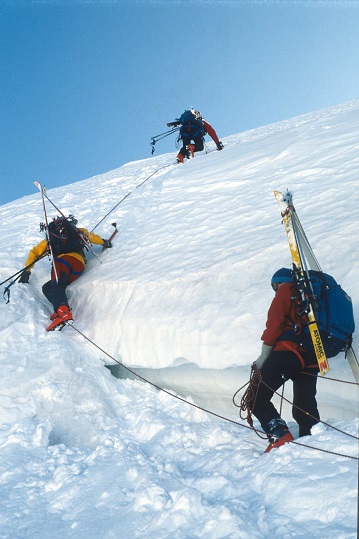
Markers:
{"x": 42, "y": 247}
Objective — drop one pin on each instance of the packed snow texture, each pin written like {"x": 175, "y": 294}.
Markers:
{"x": 180, "y": 299}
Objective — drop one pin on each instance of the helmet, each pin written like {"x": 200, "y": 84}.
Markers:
{"x": 283, "y": 275}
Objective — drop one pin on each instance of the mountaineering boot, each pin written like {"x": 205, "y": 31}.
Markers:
{"x": 191, "y": 149}
{"x": 63, "y": 315}
{"x": 278, "y": 434}
{"x": 180, "y": 158}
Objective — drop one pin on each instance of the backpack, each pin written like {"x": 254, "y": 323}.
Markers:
{"x": 189, "y": 117}
{"x": 64, "y": 237}
{"x": 333, "y": 312}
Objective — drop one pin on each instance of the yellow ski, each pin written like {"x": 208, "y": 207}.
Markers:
{"x": 293, "y": 229}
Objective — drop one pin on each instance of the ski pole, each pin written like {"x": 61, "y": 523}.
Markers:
{"x": 156, "y": 138}
{"x": 6, "y": 293}
{"x": 17, "y": 276}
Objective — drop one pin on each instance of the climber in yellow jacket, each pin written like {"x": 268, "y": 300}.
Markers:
{"x": 66, "y": 242}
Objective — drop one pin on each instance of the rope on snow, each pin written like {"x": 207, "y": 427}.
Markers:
{"x": 204, "y": 409}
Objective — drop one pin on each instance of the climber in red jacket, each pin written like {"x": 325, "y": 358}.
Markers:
{"x": 283, "y": 358}
{"x": 193, "y": 129}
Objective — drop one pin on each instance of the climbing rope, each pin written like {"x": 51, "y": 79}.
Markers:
{"x": 129, "y": 193}
{"x": 333, "y": 379}
{"x": 204, "y": 409}
{"x": 312, "y": 416}
{"x": 140, "y": 184}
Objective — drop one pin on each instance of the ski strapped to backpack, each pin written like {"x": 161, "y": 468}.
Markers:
{"x": 82, "y": 237}
{"x": 325, "y": 308}
{"x": 41, "y": 189}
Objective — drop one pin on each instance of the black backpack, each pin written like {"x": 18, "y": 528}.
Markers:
{"x": 64, "y": 237}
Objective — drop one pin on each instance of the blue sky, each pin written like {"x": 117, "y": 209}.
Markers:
{"x": 85, "y": 84}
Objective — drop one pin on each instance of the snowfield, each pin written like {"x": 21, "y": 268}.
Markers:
{"x": 181, "y": 299}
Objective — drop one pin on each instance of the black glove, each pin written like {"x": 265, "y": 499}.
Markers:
{"x": 107, "y": 244}
{"x": 25, "y": 276}
{"x": 220, "y": 145}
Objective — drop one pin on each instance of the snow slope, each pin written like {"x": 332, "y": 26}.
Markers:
{"x": 182, "y": 300}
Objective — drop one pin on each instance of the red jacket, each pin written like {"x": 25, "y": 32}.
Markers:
{"x": 281, "y": 317}
{"x": 209, "y": 129}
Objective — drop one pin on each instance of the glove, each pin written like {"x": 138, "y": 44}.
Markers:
{"x": 25, "y": 276}
{"x": 107, "y": 244}
{"x": 220, "y": 145}
{"x": 265, "y": 353}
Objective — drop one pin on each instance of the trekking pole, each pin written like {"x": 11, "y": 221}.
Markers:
{"x": 6, "y": 293}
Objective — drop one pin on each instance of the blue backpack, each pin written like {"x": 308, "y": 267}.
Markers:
{"x": 333, "y": 311}
{"x": 188, "y": 117}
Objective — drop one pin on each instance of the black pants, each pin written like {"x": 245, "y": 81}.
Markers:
{"x": 188, "y": 134}
{"x": 68, "y": 269}
{"x": 277, "y": 369}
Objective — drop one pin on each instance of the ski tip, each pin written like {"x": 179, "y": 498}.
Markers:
{"x": 285, "y": 196}
{"x": 40, "y": 187}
